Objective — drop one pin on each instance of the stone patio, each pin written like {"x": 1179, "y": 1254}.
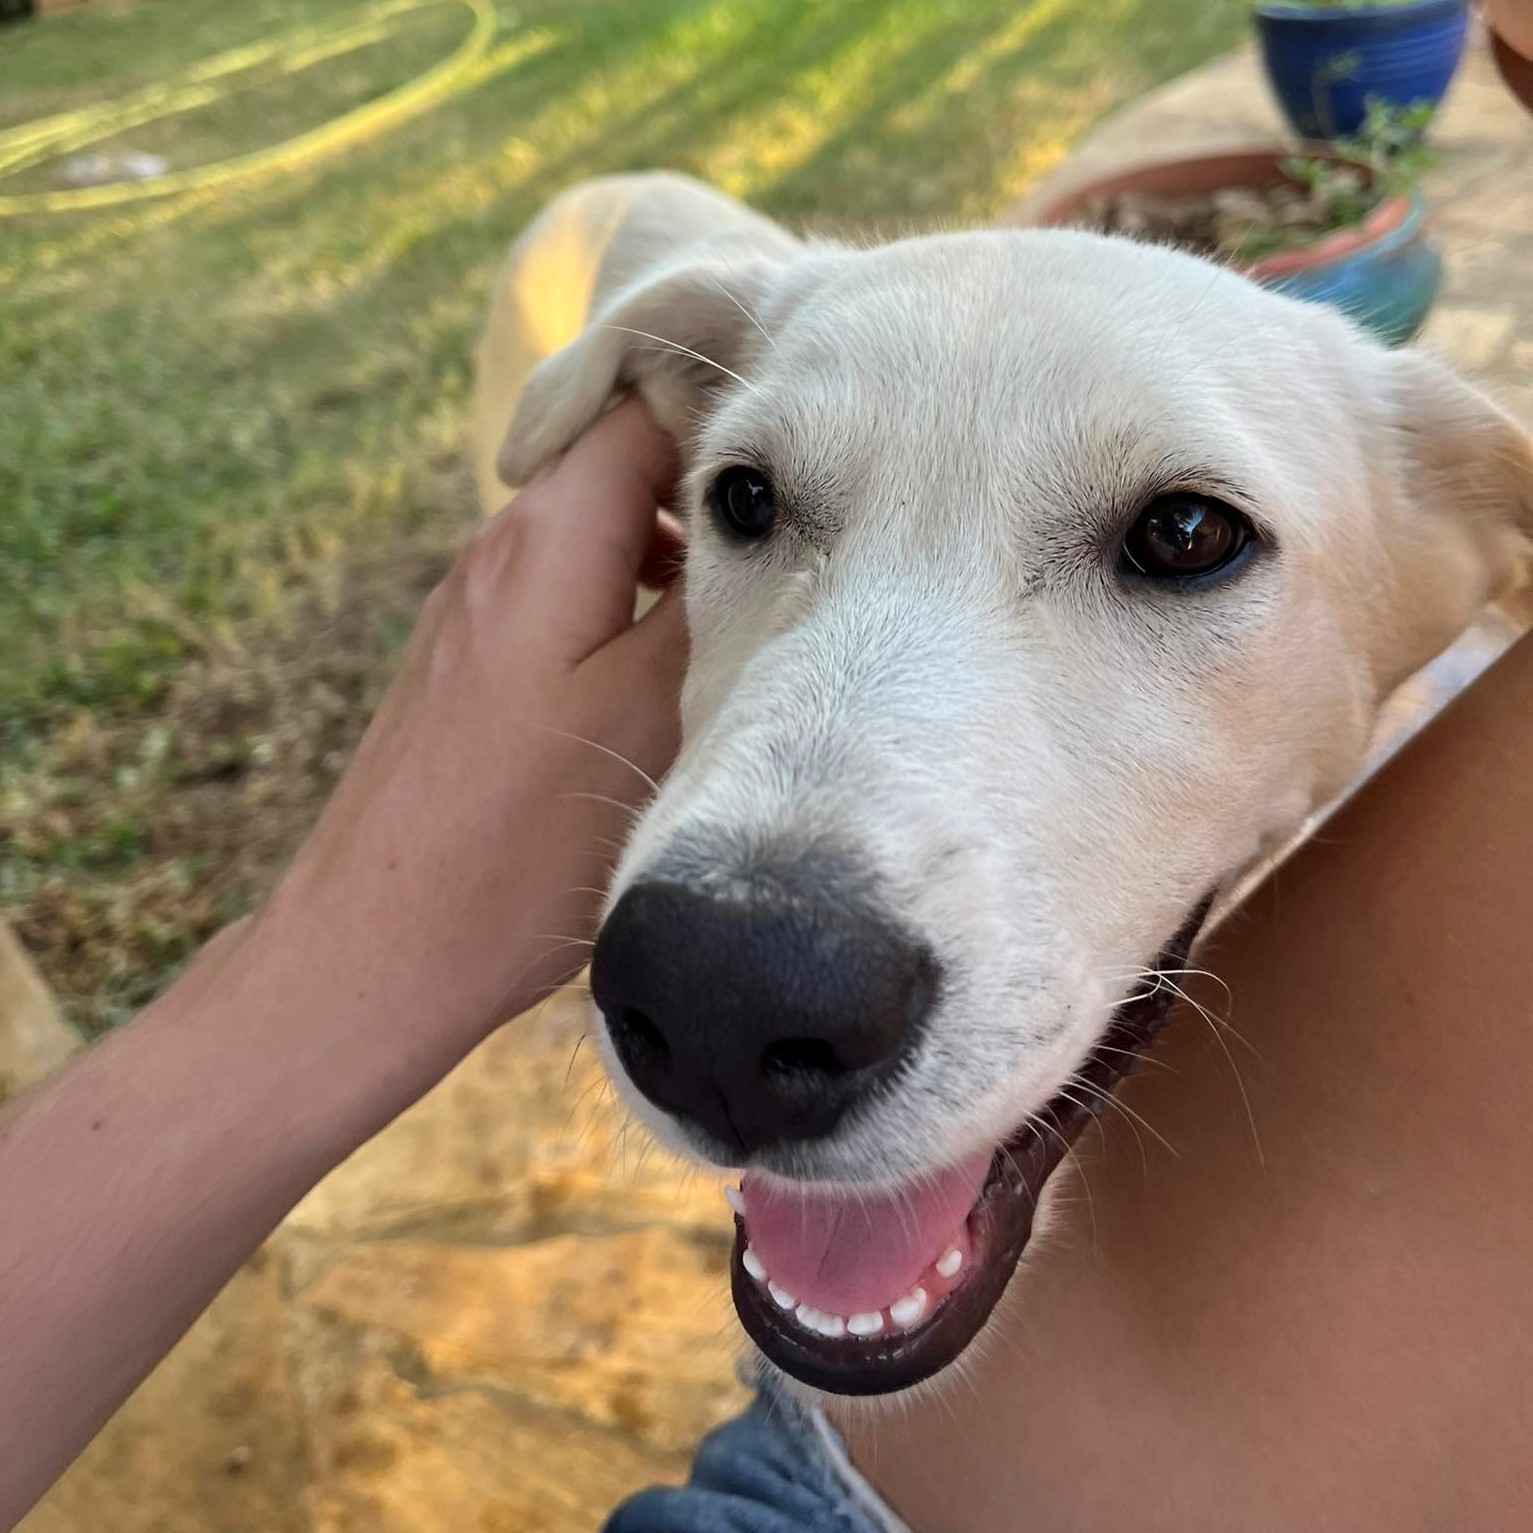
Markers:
{"x": 502, "y": 1316}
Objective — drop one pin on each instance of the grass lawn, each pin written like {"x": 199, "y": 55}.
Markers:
{"x": 231, "y": 423}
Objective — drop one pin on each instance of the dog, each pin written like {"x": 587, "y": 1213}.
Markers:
{"x": 1039, "y": 583}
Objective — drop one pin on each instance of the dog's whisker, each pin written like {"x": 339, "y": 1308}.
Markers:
{"x": 1139, "y": 1056}
{"x": 582, "y": 1099}
{"x": 633, "y": 811}
{"x": 1164, "y": 977}
{"x": 1144, "y": 1160}
{"x": 1218, "y": 1024}
{"x": 543, "y": 994}
{"x": 686, "y": 351}
{"x": 569, "y": 1069}
{"x": 622, "y": 760}
{"x": 1170, "y": 974}
{"x": 734, "y": 299}
{"x": 1214, "y": 1027}
{"x": 1109, "y": 1100}
{"x": 1072, "y": 1159}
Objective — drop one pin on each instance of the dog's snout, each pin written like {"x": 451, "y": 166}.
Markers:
{"x": 761, "y": 1018}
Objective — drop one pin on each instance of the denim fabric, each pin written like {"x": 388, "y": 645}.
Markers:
{"x": 768, "y": 1471}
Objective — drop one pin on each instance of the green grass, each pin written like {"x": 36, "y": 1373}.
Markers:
{"x": 208, "y": 404}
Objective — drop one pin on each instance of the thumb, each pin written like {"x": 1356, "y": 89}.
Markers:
{"x": 636, "y": 681}
{"x": 654, "y": 648}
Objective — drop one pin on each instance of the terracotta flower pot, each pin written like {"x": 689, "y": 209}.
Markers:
{"x": 1384, "y": 272}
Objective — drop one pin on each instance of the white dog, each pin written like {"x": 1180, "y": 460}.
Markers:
{"x": 1037, "y": 583}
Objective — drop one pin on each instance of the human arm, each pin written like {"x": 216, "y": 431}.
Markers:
{"x": 473, "y": 825}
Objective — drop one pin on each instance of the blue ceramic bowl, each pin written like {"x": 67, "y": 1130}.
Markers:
{"x": 1384, "y": 273}
{"x": 1325, "y": 63}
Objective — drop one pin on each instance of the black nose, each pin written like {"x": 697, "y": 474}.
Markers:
{"x": 761, "y": 1017}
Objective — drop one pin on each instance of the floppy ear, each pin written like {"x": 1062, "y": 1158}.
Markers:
{"x": 1464, "y": 472}
{"x": 1464, "y": 449}
{"x": 676, "y": 338}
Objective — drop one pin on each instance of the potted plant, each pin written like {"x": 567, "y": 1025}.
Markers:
{"x": 1327, "y": 58}
{"x": 1341, "y": 223}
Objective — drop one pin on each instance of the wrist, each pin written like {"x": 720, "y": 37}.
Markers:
{"x": 436, "y": 939}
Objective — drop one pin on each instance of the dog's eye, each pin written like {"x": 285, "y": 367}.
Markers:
{"x": 1180, "y": 536}
{"x": 741, "y": 498}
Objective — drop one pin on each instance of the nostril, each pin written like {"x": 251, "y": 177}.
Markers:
{"x": 640, "y": 1042}
{"x": 797, "y": 1058}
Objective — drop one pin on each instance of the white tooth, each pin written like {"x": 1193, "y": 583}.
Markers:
{"x": 780, "y": 1296}
{"x": 832, "y": 1326}
{"x": 908, "y": 1310}
{"x": 752, "y": 1264}
{"x": 950, "y": 1261}
{"x": 808, "y": 1317}
{"x": 733, "y": 1197}
{"x": 870, "y": 1323}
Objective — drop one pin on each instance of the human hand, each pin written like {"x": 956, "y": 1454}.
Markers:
{"x": 457, "y": 874}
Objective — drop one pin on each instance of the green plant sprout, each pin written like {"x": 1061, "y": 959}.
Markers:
{"x": 1385, "y": 158}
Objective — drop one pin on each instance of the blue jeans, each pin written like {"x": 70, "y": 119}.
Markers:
{"x": 768, "y": 1471}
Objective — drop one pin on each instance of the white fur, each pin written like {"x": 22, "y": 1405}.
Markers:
{"x": 934, "y": 659}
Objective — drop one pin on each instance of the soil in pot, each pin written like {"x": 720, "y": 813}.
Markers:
{"x": 1235, "y": 224}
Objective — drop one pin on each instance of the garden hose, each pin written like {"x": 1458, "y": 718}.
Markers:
{"x": 68, "y": 131}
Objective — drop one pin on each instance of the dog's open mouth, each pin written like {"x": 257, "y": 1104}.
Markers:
{"x": 864, "y": 1292}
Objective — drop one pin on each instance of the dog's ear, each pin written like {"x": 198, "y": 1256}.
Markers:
{"x": 1463, "y": 450}
{"x": 1464, "y": 481}
{"x": 674, "y": 338}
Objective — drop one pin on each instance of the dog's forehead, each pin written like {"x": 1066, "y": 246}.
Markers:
{"x": 1045, "y": 284}
{"x": 1046, "y": 356}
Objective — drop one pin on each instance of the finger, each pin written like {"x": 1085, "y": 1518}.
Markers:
{"x": 640, "y": 674}
{"x": 654, "y": 648}
{"x": 597, "y": 511}
{"x": 666, "y": 555}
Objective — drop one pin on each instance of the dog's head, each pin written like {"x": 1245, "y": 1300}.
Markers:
{"x": 1037, "y": 583}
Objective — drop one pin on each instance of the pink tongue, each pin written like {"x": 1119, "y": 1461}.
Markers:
{"x": 853, "y": 1250}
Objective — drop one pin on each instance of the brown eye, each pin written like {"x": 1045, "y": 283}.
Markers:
{"x": 742, "y": 500}
{"x": 1181, "y": 536}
